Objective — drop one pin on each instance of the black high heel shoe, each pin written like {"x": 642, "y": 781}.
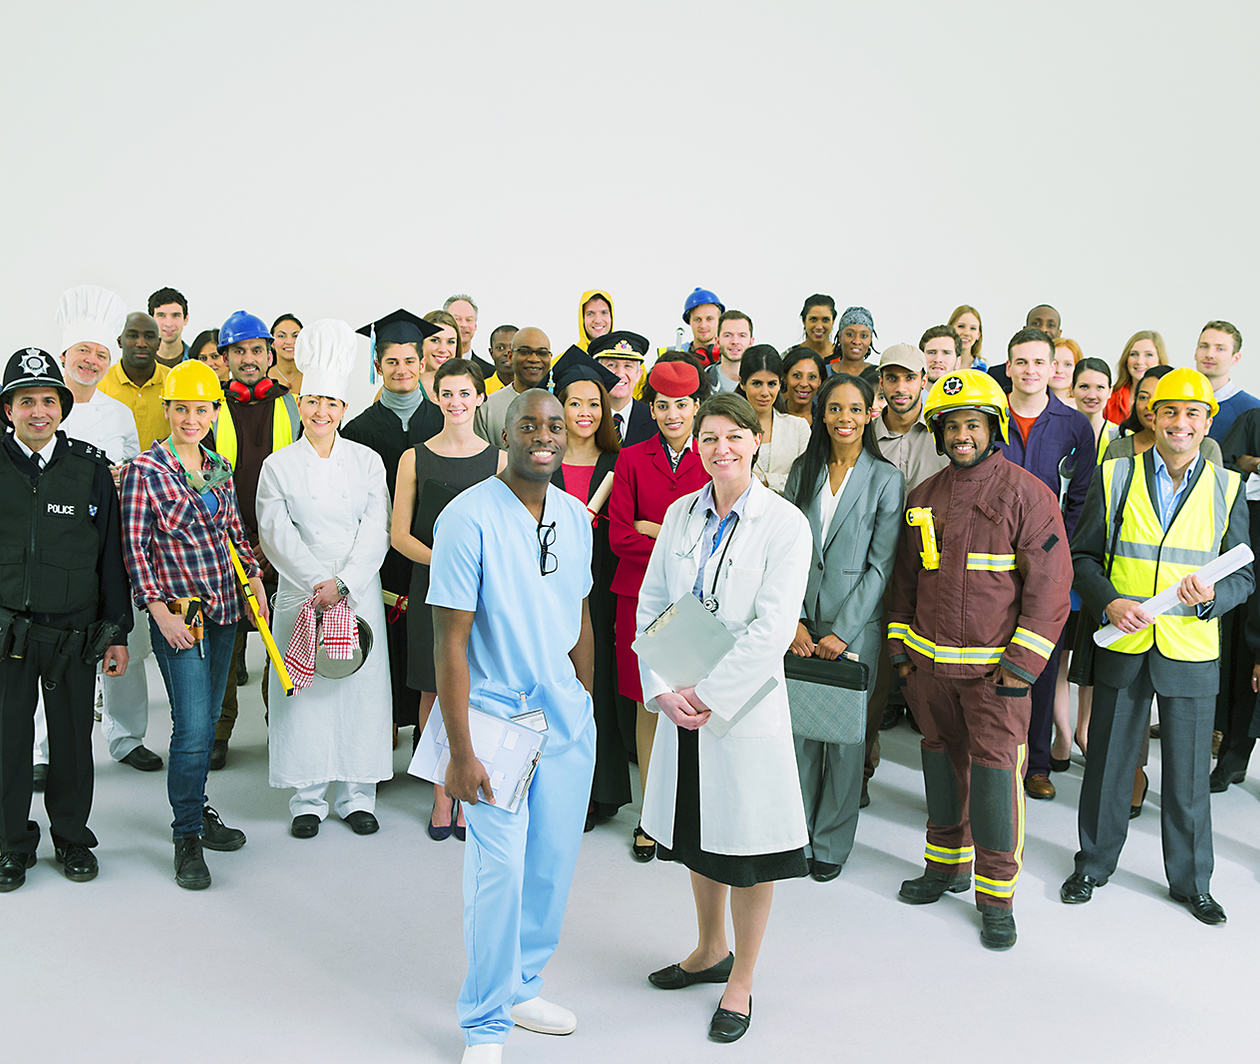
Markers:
{"x": 1135, "y": 811}
{"x": 642, "y": 851}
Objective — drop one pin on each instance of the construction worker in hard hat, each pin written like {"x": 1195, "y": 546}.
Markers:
{"x": 1149, "y": 524}
{"x": 259, "y": 416}
{"x": 179, "y": 511}
{"x": 970, "y": 628}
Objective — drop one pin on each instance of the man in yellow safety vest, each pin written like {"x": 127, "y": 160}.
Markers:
{"x": 1148, "y": 525}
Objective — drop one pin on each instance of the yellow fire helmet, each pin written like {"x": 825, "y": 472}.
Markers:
{"x": 1185, "y": 385}
{"x": 192, "y": 381}
{"x": 967, "y": 389}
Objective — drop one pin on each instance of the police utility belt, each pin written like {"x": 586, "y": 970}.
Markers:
{"x": 18, "y": 631}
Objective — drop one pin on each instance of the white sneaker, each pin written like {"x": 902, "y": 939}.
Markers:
{"x": 486, "y": 1053}
{"x": 545, "y": 1017}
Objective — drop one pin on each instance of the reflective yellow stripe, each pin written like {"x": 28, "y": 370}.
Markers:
{"x": 945, "y": 655}
{"x": 1032, "y": 641}
{"x": 1005, "y": 888}
{"x": 991, "y": 563}
{"x": 945, "y": 855}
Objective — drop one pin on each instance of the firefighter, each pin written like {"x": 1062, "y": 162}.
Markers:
{"x": 970, "y": 630}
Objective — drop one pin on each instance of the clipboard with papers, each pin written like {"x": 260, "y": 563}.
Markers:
{"x": 684, "y": 644}
{"x": 508, "y": 748}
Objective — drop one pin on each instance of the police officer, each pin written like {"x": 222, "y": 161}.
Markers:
{"x": 971, "y": 627}
{"x": 64, "y": 602}
{"x": 1148, "y": 525}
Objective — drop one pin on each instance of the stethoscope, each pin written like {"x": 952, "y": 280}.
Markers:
{"x": 731, "y": 520}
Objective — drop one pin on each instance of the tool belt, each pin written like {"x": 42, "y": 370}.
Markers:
{"x": 18, "y": 632}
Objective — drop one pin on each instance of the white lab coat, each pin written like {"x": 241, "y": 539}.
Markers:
{"x": 319, "y": 518}
{"x": 750, "y": 796}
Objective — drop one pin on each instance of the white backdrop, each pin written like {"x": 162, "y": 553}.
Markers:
{"x": 340, "y": 160}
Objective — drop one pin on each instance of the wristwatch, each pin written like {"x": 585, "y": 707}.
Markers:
{"x": 342, "y": 590}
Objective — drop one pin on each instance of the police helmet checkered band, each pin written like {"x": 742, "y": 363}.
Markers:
{"x": 952, "y": 386}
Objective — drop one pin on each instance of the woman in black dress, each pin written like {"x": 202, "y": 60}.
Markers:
{"x": 429, "y": 476}
{"x": 581, "y": 384}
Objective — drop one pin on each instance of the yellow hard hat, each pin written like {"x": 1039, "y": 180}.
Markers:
{"x": 1185, "y": 385}
{"x": 967, "y": 389}
{"x": 192, "y": 381}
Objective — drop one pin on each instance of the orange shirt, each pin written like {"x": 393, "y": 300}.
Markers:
{"x": 1024, "y": 424}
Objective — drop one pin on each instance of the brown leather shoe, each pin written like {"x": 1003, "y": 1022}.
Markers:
{"x": 1038, "y": 785}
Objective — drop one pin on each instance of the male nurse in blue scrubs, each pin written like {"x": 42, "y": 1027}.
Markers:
{"x": 510, "y": 574}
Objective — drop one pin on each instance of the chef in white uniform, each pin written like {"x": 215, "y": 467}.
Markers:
{"x": 91, "y": 319}
{"x": 323, "y": 515}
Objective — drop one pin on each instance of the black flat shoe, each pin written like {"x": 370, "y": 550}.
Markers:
{"x": 13, "y": 866}
{"x": 1077, "y": 889}
{"x": 77, "y": 862}
{"x": 824, "y": 872}
{"x": 362, "y": 822}
{"x": 676, "y": 977}
{"x": 1203, "y": 907}
{"x": 1135, "y": 811}
{"x": 1060, "y": 766}
{"x": 728, "y": 1026}
{"x": 460, "y": 831}
{"x": 642, "y": 851}
{"x": 304, "y": 826}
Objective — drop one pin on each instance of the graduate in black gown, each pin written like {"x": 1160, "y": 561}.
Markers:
{"x": 399, "y": 419}
{"x": 582, "y": 386}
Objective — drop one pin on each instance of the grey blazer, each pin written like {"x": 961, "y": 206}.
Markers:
{"x": 849, "y": 571}
{"x": 1183, "y": 679}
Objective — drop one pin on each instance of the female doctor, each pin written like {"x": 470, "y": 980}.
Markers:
{"x": 323, "y": 515}
{"x": 723, "y": 796}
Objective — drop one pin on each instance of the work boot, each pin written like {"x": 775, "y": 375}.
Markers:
{"x": 998, "y": 928}
{"x": 191, "y": 872}
{"x": 216, "y": 835}
{"x": 931, "y": 885}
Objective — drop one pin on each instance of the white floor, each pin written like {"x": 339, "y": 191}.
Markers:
{"x": 347, "y": 948}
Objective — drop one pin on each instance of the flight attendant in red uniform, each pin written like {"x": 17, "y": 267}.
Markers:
{"x": 647, "y": 478}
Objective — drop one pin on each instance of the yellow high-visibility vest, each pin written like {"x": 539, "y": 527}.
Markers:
{"x": 285, "y": 424}
{"x": 1149, "y": 559}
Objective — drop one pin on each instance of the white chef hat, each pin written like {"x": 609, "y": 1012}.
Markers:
{"x": 92, "y": 313}
{"x": 325, "y": 353}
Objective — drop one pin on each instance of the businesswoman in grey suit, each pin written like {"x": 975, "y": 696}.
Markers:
{"x": 853, "y": 498}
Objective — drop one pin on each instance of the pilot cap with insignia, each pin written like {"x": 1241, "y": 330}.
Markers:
{"x": 33, "y": 368}
{"x": 622, "y": 344}
{"x": 92, "y": 314}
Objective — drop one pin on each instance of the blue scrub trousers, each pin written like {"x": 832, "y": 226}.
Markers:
{"x": 517, "y": 871}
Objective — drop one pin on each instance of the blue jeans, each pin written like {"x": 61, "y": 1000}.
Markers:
{"x": 195, "y": 688}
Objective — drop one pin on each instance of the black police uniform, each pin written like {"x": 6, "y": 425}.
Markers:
{"x": 64, "y": 597}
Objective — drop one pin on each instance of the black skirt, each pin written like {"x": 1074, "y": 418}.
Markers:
{"x": 743, "y": 870}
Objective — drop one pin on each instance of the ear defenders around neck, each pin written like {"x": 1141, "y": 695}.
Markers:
{"x": 243, "y": 393}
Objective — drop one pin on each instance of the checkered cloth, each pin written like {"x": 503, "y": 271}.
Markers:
{"x": 340, "y": 630}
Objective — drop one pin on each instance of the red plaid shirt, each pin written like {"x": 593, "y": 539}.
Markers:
{"x": 173, "y": 545}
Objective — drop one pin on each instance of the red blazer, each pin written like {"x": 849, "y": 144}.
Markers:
{"x": 643, "y": 488}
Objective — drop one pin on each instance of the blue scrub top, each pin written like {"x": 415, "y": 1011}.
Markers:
{"x": 486, "y": 561}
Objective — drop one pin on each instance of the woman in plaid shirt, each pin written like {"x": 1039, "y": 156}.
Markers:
{"x": 179, "y": 510}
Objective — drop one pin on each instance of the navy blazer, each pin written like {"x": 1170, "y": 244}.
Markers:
{"x": 850, "y": 569}
{"x": 1058, "y": 432}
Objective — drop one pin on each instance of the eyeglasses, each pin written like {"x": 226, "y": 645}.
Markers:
{"x": 525, "y": 352}
{"x": 546, "y": 537}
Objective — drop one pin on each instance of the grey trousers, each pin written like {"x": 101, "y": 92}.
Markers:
{"x": 831, "y": 784}
{"x": 1116, "y": 726}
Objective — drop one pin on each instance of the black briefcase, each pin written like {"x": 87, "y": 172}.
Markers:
{"x": 827, "y": 698}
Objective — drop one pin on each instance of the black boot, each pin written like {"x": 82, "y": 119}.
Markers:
{"x": 191, "y": 872}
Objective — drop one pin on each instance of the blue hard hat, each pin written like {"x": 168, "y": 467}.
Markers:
{"x": 242, "y": 326}
{"x": 698, "y": 298}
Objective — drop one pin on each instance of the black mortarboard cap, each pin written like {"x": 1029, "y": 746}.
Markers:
{"x": 400, "y": 327}
{"x": 576, "y": 365}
